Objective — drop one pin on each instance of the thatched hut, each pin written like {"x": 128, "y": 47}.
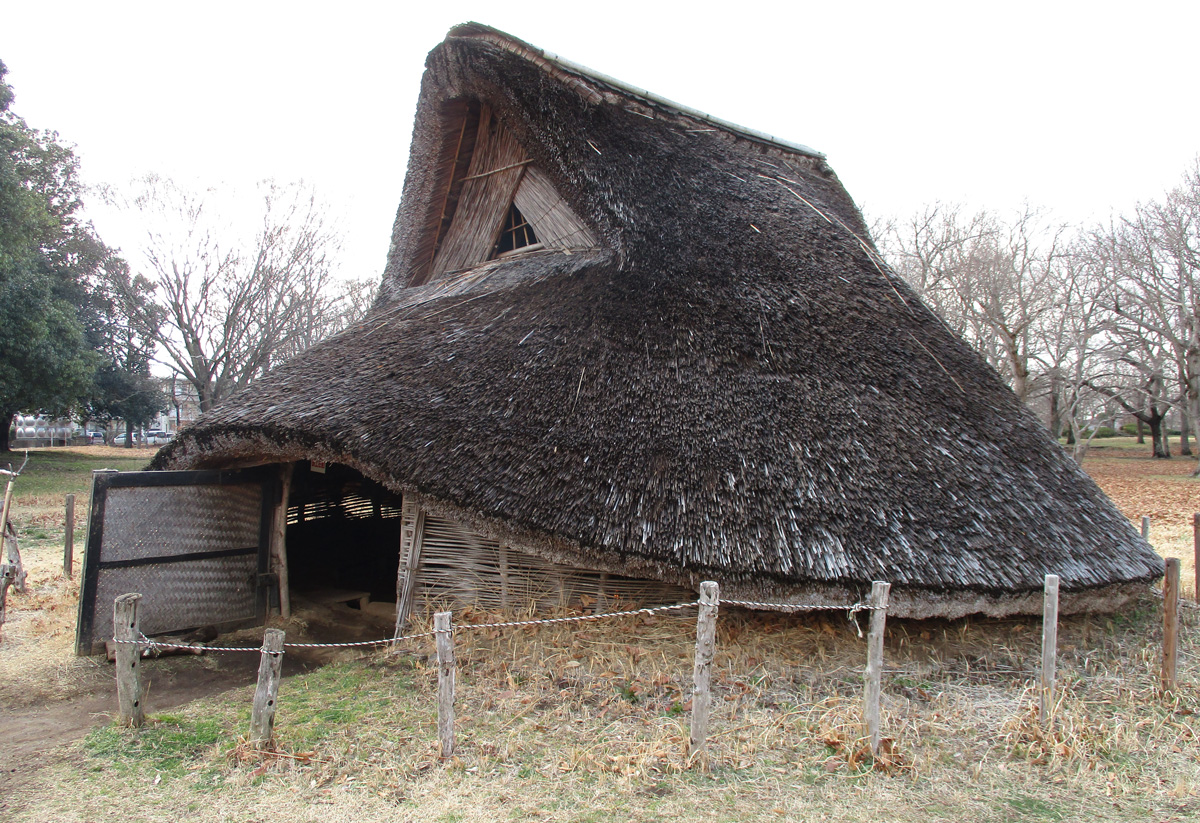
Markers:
{"x": 621, "y": 345}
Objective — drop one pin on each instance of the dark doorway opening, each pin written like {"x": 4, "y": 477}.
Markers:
{"x": 343, "y": 536}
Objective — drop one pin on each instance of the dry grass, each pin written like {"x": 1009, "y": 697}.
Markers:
{"x": 588, "y": 722}
{"x": 569, "y": 723}
{"x": 37, "y": 660}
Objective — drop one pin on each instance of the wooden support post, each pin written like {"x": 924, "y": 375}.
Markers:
{"x": 7, "y": 576}
{"x": 69, "y": 538}
{"x": 706, "y": 641}
{"x": 873, "y": 675}
{"x": 444, "y": 633}
{"x": 279, "y": 563}
{"x": 8, "y": 488}
{"x": 1049, "y": 648}
{"x": 1145, "y": 527}
{"x": 11, "y": 573}
{"x": 1170, "y": 657}
{"x": 126, "y": 633}
{"x": 266, "y": 695}
{"x": 10, "y": 555}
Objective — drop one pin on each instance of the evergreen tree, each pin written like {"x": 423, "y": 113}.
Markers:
{"x": 47, "y": 259}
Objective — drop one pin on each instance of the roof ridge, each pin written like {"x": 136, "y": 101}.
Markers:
{"x": 561, "y": 66}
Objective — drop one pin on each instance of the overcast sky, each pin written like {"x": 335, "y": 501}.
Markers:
{"x": 1081, "y": 108}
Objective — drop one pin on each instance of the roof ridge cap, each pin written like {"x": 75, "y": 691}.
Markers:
{"x": 572, "y": 73}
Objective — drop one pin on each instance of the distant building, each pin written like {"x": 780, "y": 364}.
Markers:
{"x": 183, "y": 405}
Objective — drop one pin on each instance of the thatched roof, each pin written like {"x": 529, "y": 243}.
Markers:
{"x": 727, "y": 384}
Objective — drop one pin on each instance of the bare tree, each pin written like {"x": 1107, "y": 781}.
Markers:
{"x": 1075, "y": 350}
{"x": 991, "y": 279}
{"x": 238, "y": 301}
{"x": 1156, "y": 295}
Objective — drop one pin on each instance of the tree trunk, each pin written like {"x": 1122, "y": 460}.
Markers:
{"x": 1160, "y": 445}
{"x": 1185, "y": 446}
{"x": 1141, "y": 431}
{"x": 6, "y": 418}
{"x": 128, "y": 435}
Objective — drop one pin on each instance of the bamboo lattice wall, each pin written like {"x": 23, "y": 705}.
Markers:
{"x": 459, "y": 567}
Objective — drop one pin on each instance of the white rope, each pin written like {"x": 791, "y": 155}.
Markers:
{"x": 852, "y": 610}
{"x": 574, "y": 619}
{"x": 799, "y": 607}
{"x": 162, "y": 644}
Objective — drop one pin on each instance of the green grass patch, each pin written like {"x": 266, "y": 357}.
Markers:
{"x": 59, "y": 472}
{"x": 1032, "y": 808}
{"x": 323, "y": 704}
{"x": 167, "y": 745}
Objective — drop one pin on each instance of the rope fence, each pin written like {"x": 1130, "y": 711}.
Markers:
{"x": 146, "y": 642}
{"x": 130, "y": 643}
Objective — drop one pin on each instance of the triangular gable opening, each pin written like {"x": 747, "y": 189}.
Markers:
{"x": 489, "y": 200}
{"x": 518, "y": 234}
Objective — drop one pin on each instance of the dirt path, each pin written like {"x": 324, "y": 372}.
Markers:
{"x": 39, "y": 735}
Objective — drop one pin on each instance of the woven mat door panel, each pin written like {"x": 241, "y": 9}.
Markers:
{"x": 194, "y": 544}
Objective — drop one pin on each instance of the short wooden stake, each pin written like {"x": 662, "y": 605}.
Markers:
{"x": 1049, "y": 647}
{"x": 69, "y": 538}
{"x": 266, "y": 695}
{"x": 1170, "y": 657}
{"x": 444, "y": 633}
{"x": 1196, "y": 550}
{"x": 873, "y": 675}
{"x": 126, "y": 633}
{"x": 706, "y": 643}
{"x": 1145, "y": 527}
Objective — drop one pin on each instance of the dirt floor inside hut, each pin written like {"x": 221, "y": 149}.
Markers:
{"x": 589, "y": 722}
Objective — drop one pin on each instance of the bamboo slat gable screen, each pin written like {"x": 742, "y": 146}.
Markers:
{"x": 555, "y": 224}
{"x": 492, "y": 179}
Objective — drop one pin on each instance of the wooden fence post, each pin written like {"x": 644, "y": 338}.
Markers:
{"x": 444, "y": 632}
{"x": 1170, "y": 657}
{"x": 1196, "y": 550}
{"x": 706, "y": 641}
{"x": 873, "y": 675}
{"x": 126, "y": 633}
{"x": 266, "y": 695}
{"x": 1145, "y": 527}
{"x": 69, "y": 538}
{"x": 1049, "y": 647}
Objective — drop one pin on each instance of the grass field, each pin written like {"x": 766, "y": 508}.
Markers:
{"x": 589, "y": 723}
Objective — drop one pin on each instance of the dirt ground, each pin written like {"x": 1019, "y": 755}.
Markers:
{"x": 1163, "y": 490}
{"x": 49, "y": 698}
